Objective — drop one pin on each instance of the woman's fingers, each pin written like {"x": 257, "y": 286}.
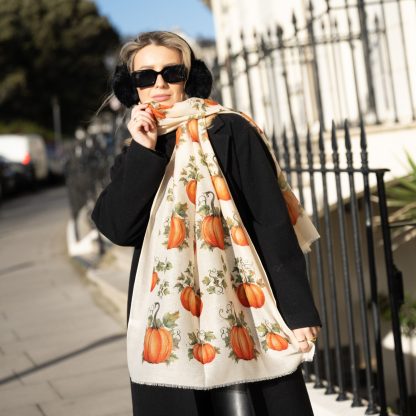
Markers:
{"x": 141, "y": 115}
{"x": 143, "y": 119}
{"x": 315, "y": 330}
{"x": 142, "y": 125}
{"x": 138, "y": 107}
{"x": 141, "y": 108}
{"x": 303, "y": 335}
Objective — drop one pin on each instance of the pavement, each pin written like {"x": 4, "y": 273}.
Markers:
{"x": 62, "y": 352}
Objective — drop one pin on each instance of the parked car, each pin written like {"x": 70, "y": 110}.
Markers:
{"x": 28, "y": 151}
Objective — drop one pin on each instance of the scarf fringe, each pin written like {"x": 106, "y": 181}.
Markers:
{"x": 306, "y": 246}
{"x": 216, "y": 386}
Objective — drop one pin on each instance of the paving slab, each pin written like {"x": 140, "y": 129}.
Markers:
{"x": 32, "y": 410}
{"x": 26, "y": 395}
{"x": 105, "y": 403}
{"x": 95, "y": 382}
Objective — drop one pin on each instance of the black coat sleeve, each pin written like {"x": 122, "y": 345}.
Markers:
{"x": 271, "y": 229}
{"x": 122, "y": 210}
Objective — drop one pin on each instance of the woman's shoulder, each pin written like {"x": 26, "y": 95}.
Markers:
{"x": 230, "y": 121}
{"x": 234, "y": 118}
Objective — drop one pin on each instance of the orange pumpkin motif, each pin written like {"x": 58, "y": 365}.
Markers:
{"x": 158, "y": 340}
{"x": 242, "y": 343}
{"x": 191, "y": 301}
{"x": 178, "y": 135}
{"x": 191, "y": 190}
{"x": 193, "y": 129}
{"x": 238, "y": 235}
{"x": 270, "y": 332}
{"x": 292, "y": 205}
{"x": 251, "y": 295}
{"x": 276, "y": 342}
{"x": 221, "y": 188}
{"x": 195, "y": 304}
{"x": 237, "y": 336}
{"x": 157, "y": 345}
{"x": 212, "y": 231}
{"x": 177, "y": 232}
{"x": 204, "y": 352}
{"x": 185, "y": 296}
{"x": 155, "y": 279}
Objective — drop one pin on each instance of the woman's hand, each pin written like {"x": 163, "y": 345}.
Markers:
{"x": 142, "y": 126}
{"x": 305, "y": 334}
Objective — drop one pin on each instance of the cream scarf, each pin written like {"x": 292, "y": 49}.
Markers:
{"x": 203, "y": 314}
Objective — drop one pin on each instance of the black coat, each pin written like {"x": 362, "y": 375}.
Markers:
{"x": 122, "y": 214}
{"x": 122, "y": 210}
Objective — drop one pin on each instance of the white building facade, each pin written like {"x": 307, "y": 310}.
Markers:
{"x": 361, "y": 58}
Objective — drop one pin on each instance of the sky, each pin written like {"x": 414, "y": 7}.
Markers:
{"x": 130, "y": 17}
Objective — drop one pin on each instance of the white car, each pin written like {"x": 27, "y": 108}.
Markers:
{"x": 29, "y": 150}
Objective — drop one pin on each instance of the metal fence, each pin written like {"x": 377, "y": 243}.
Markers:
{"x": 343, "y": 263}
{"x": 87, "y": 173}
{"x": 347, "y": 60}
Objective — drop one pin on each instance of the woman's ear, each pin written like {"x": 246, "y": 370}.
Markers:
{"x": 123, "y": 86}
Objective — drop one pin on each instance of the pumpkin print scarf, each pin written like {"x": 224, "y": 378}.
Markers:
{"x": 203, "y": 314}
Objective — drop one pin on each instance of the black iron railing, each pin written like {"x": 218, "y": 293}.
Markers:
{"x": 87, "y": 173}
{"x": 310, "y": 72}
{"x": 343, "y": 266}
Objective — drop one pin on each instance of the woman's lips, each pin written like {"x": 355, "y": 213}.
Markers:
{"x": 161, "y": 97}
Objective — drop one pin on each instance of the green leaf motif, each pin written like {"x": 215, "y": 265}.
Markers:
{"x": 192, "y": 338}
{"x": 176, "y": 342}
{"x": 169, "y": 319}
{"x": 204, "y": 210}
{"x": 262, "y": 330}
{"x": 276, "y": 327}
{"x": 171, "y": 358}
{"x": 181, "y": 209}
{"x": 209, "y": 336}
{"x": 163, "y": 289}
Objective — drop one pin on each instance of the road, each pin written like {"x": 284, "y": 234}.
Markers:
{"x": 60, "y": 352}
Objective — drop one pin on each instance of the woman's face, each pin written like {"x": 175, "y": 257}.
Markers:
{"x": 157, "y": 57}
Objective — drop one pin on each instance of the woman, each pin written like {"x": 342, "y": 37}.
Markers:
{"x": 220, "y": 315}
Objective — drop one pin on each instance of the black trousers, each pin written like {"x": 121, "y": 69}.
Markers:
{"x": 284, "y": 395}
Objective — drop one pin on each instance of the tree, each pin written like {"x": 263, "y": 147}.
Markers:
{"x": 53, "y": 48}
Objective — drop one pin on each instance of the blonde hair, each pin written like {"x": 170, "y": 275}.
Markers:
{"x": 159, "y": 38}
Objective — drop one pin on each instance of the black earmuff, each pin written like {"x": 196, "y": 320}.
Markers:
{"x": 123, "y": 86}
{"x": 199, "y": 83}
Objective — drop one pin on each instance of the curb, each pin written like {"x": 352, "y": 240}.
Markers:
{"x": 108, "y": 278}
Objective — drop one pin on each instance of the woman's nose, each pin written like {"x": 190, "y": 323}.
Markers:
{"x": 160, "y": 82}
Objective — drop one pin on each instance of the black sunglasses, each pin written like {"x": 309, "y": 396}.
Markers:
{"x": 147, "y": 77}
